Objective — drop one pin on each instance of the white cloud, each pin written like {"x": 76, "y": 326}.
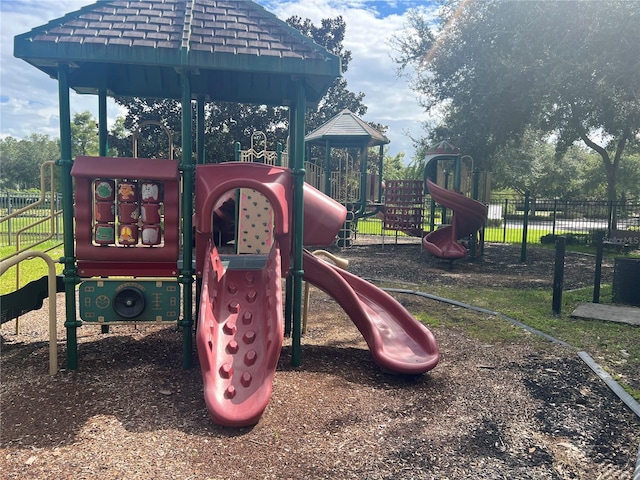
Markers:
{"x": 372, "y": 71}
{"x": 29, "y": 99}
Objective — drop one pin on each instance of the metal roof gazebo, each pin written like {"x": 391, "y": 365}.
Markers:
{"x": 347, "y": 130}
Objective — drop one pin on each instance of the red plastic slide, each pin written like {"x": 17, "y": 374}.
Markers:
{"x": 398, "y": 342}
{"x": 239, "y": 336}
{"x": 468, "y": 217}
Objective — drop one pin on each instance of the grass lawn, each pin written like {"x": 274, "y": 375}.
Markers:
{"x": 29, "y": 270}
{"x": 611, "y": 344}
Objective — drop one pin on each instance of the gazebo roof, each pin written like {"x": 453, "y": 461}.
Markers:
{"x": 347, "y": 130}
{"x": 233, "y": 50}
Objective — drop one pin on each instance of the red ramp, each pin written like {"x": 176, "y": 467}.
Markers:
{"x": 469, "y": 216}
{"x": 398, "y": 342}
{"x": 239, "y": 336}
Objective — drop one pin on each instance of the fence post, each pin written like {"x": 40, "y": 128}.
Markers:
{"x": 555, "y": 210}
{"x": 57, "y": 209}
{"x": 558, "y": 276}
{"x": 525, "y": 228}
{"x": 599, "y": 238}
{"x": 504, "y": 221}
{"x": 611, "y": 222}
{"x": 9, "y": 212}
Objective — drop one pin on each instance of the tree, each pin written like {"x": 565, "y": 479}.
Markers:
{"x": 530, "y": 164}
{"x": 21, "y": 160}
{"x": 119, "y": 141}
{"x": 84, "y": 135}
{"x": 499, "y": 68}
{"x": 330, "y": 34}
{"x": 393, "y": 167}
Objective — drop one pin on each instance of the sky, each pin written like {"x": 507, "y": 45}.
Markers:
{"x": 29, "y": 98}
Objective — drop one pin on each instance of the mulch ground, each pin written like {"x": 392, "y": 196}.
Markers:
{"x": 522, "y": 408}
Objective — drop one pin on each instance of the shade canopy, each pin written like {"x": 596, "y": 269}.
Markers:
{"x": 232, "y": 50}
{"x": 346, "y": 130}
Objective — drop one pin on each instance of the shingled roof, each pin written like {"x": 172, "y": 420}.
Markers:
{"x": 345, "y": 130}
{"x": 234, "y": 51}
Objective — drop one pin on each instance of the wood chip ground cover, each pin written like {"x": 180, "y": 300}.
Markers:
{"x": 517, "y": 409}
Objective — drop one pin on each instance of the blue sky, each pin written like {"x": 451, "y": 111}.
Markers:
{"x": 29, "y": 99}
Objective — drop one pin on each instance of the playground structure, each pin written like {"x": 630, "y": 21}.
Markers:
{"x": 339, "y": 175}
{"x": 129, "y": 223}
{"x": 404, "y": 204}
{"x": 469, "y": 214}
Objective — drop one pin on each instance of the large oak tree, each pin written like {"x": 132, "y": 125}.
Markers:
{"x": 498, "y": 68}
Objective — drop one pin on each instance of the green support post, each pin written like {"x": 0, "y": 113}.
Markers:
{"x": 288, "y": 291}
{"x": 103, "y": 146}
{"x": 457, "y": 173}
{"x": 186, "y": 274}
{"x": 362, "y": 208}
{"x": 103, "y": 133}
{"x": 279, "y": 154}
{"x": 70, "y": 269}
{"x": 298, "y": 226}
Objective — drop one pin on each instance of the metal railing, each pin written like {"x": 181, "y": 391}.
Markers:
{"x": 27, "y": 219}
{"x": 509, "y": 218}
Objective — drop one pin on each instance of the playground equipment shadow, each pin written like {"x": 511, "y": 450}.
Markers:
{"x": 521, "y": 408}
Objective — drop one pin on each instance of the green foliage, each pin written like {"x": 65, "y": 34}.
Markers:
{"x": 119, "y": 140}
{"x": 500, "y": 68}
{"x": 21, "y": 160}
{"x": 84, "y": 135}
{"x": 529, "y": 163}
{"x": 393, "y": 167}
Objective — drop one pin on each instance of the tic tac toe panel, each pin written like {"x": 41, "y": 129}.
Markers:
{"x": 127, "y": 216}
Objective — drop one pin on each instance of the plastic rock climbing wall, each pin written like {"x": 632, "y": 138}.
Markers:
{"x": 255, "y": 223}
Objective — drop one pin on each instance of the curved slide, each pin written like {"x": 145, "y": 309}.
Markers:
{"x": 398, "y": 342}
{"x": 240, "y": 321}
{"x": 468, "y": 217}
{"x": 239, "y": 336}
